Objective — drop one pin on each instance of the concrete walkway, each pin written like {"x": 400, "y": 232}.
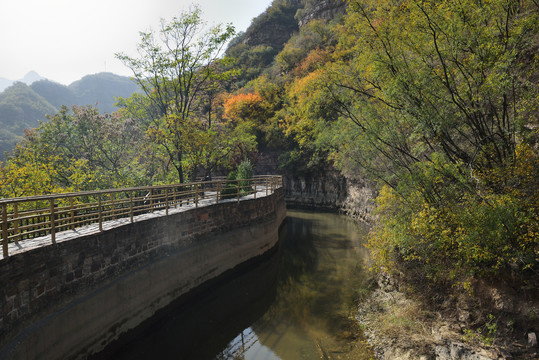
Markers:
{"x": 209, "y": 199}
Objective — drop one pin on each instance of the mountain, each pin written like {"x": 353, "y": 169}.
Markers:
{"x": 20, "y": 108}
{"x": 4, "y": 83}
{"x": 28, "y": 79}
{"x": 102, "y": 89}
{"x": 320, "y": 9}
{"x": 256, "y": 48}
{"x": 23, "y": 106}
{"x": 31, "y": 77}
{"x": 274, "y": 26}
{"x": 56, "y": 94}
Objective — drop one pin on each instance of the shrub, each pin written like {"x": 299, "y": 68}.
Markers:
{"x": 463, "y": 234}
{"x": 245, "y": 172}
{"x": 231, "y": 187}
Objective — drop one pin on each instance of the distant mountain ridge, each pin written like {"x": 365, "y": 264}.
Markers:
{"x": 28, "y": 79}
{"x": 23, "y": 106}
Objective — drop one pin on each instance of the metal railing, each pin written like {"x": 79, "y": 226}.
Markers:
{"x": 31, "y": 217}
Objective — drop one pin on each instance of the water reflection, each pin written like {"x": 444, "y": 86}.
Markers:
{"x": 296, "y": 304}
{"x": 320, "y": 270}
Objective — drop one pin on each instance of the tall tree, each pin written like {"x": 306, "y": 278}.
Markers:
{"x": 174, "y": 68}
{"x": 441, "y": 95}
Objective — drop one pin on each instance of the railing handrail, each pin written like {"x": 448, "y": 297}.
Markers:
{"x": 108, "y": 191}
{"x": 44, "y": 216}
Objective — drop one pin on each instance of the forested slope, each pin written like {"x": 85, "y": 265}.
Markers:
{"x": 24, "y": 106}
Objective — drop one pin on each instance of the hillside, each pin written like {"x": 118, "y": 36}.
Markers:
{"x": 102, "y": 89}
{"x": 56, "y": 94}
{"x": 23, "y": 106}
{"x": 20, "y": 108}
{"x": 256, "y": 48}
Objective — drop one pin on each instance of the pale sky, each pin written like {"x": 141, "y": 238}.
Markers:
{"x": 63, "y": 40}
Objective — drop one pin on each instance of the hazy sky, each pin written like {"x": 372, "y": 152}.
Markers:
{"x": 64, "y": 40}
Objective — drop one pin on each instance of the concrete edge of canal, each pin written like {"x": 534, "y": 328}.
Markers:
{"x": 70, "y": 300}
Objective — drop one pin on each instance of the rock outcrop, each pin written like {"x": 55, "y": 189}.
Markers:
{"x": 332, "y": 191}
{"x": 275, "y": 26}
{"x": 321, "y": 9}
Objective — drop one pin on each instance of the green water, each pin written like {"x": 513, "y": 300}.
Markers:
{"x": 297, "y": 303}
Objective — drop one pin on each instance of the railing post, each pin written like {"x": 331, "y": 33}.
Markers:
{"x": 166, "y": 201}
{"x": 52, "y": 220}
{"x": 112, "y": 205}
{"x": 131, "y": 205}
{"x": 218, "y": 192}
{"x": 100, "y": 212}
{"x": 196, "y": 195}
{"x": 238, "y": 189}
{"x": 16, "y": 222}
{"x": 72, "y": 213}
{"x": 4, "y": 231}
{"x": 254, "y": 183}
{"x": 151, "y": 200}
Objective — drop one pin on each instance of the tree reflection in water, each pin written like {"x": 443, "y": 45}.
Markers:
{"x": 295, "y": 303}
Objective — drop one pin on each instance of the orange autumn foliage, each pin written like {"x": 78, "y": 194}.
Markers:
{"x": 244, "y": 107}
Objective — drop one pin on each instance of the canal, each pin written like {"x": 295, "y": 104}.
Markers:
{"x": 298, "y": 302}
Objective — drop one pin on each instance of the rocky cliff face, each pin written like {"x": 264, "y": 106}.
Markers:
{"x": 320, "y": 9}
{"x": 330, "y": 190}
{"x": 326, "y": 190}
{"x": 276, "y": 25}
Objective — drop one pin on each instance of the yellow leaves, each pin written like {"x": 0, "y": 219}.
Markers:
{"x": 29, "y": 176}
{"x": 312, "y": 62}
{"x": 471, "y": 235}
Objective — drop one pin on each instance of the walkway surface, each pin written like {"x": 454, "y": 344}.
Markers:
{"x": 30, "y": 244}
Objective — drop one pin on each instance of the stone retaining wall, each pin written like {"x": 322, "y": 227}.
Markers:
{"x": 71, "y": 299}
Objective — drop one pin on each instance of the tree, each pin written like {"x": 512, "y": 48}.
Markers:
{"x": 245, "y": 107}
{"x": 430, "y": 76}
{"x": 439, "y": 97}
{"x": 77, "y": 149}
{"x": 438, "y": 101}
{"x": 174, "y": 68}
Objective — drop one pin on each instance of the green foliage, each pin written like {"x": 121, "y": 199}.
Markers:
{"x": 231, "y": 186}
{"x": 465, "y": 234}
{"x": 252, "y": 60}
{"x": 245, "y": 173}
{"x": 433, "y": 100}
{"x": 485, "y": 335}
{"x": 177, "y": 68}
{"x": 24, "y": 107}
{"x": 317, "y": 34}
{"x": 78, "y": 149}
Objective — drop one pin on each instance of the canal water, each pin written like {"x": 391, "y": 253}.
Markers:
{"x": 296, "y": 303}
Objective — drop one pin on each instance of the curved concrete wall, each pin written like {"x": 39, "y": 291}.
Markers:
{"x": 72, "y": 299}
